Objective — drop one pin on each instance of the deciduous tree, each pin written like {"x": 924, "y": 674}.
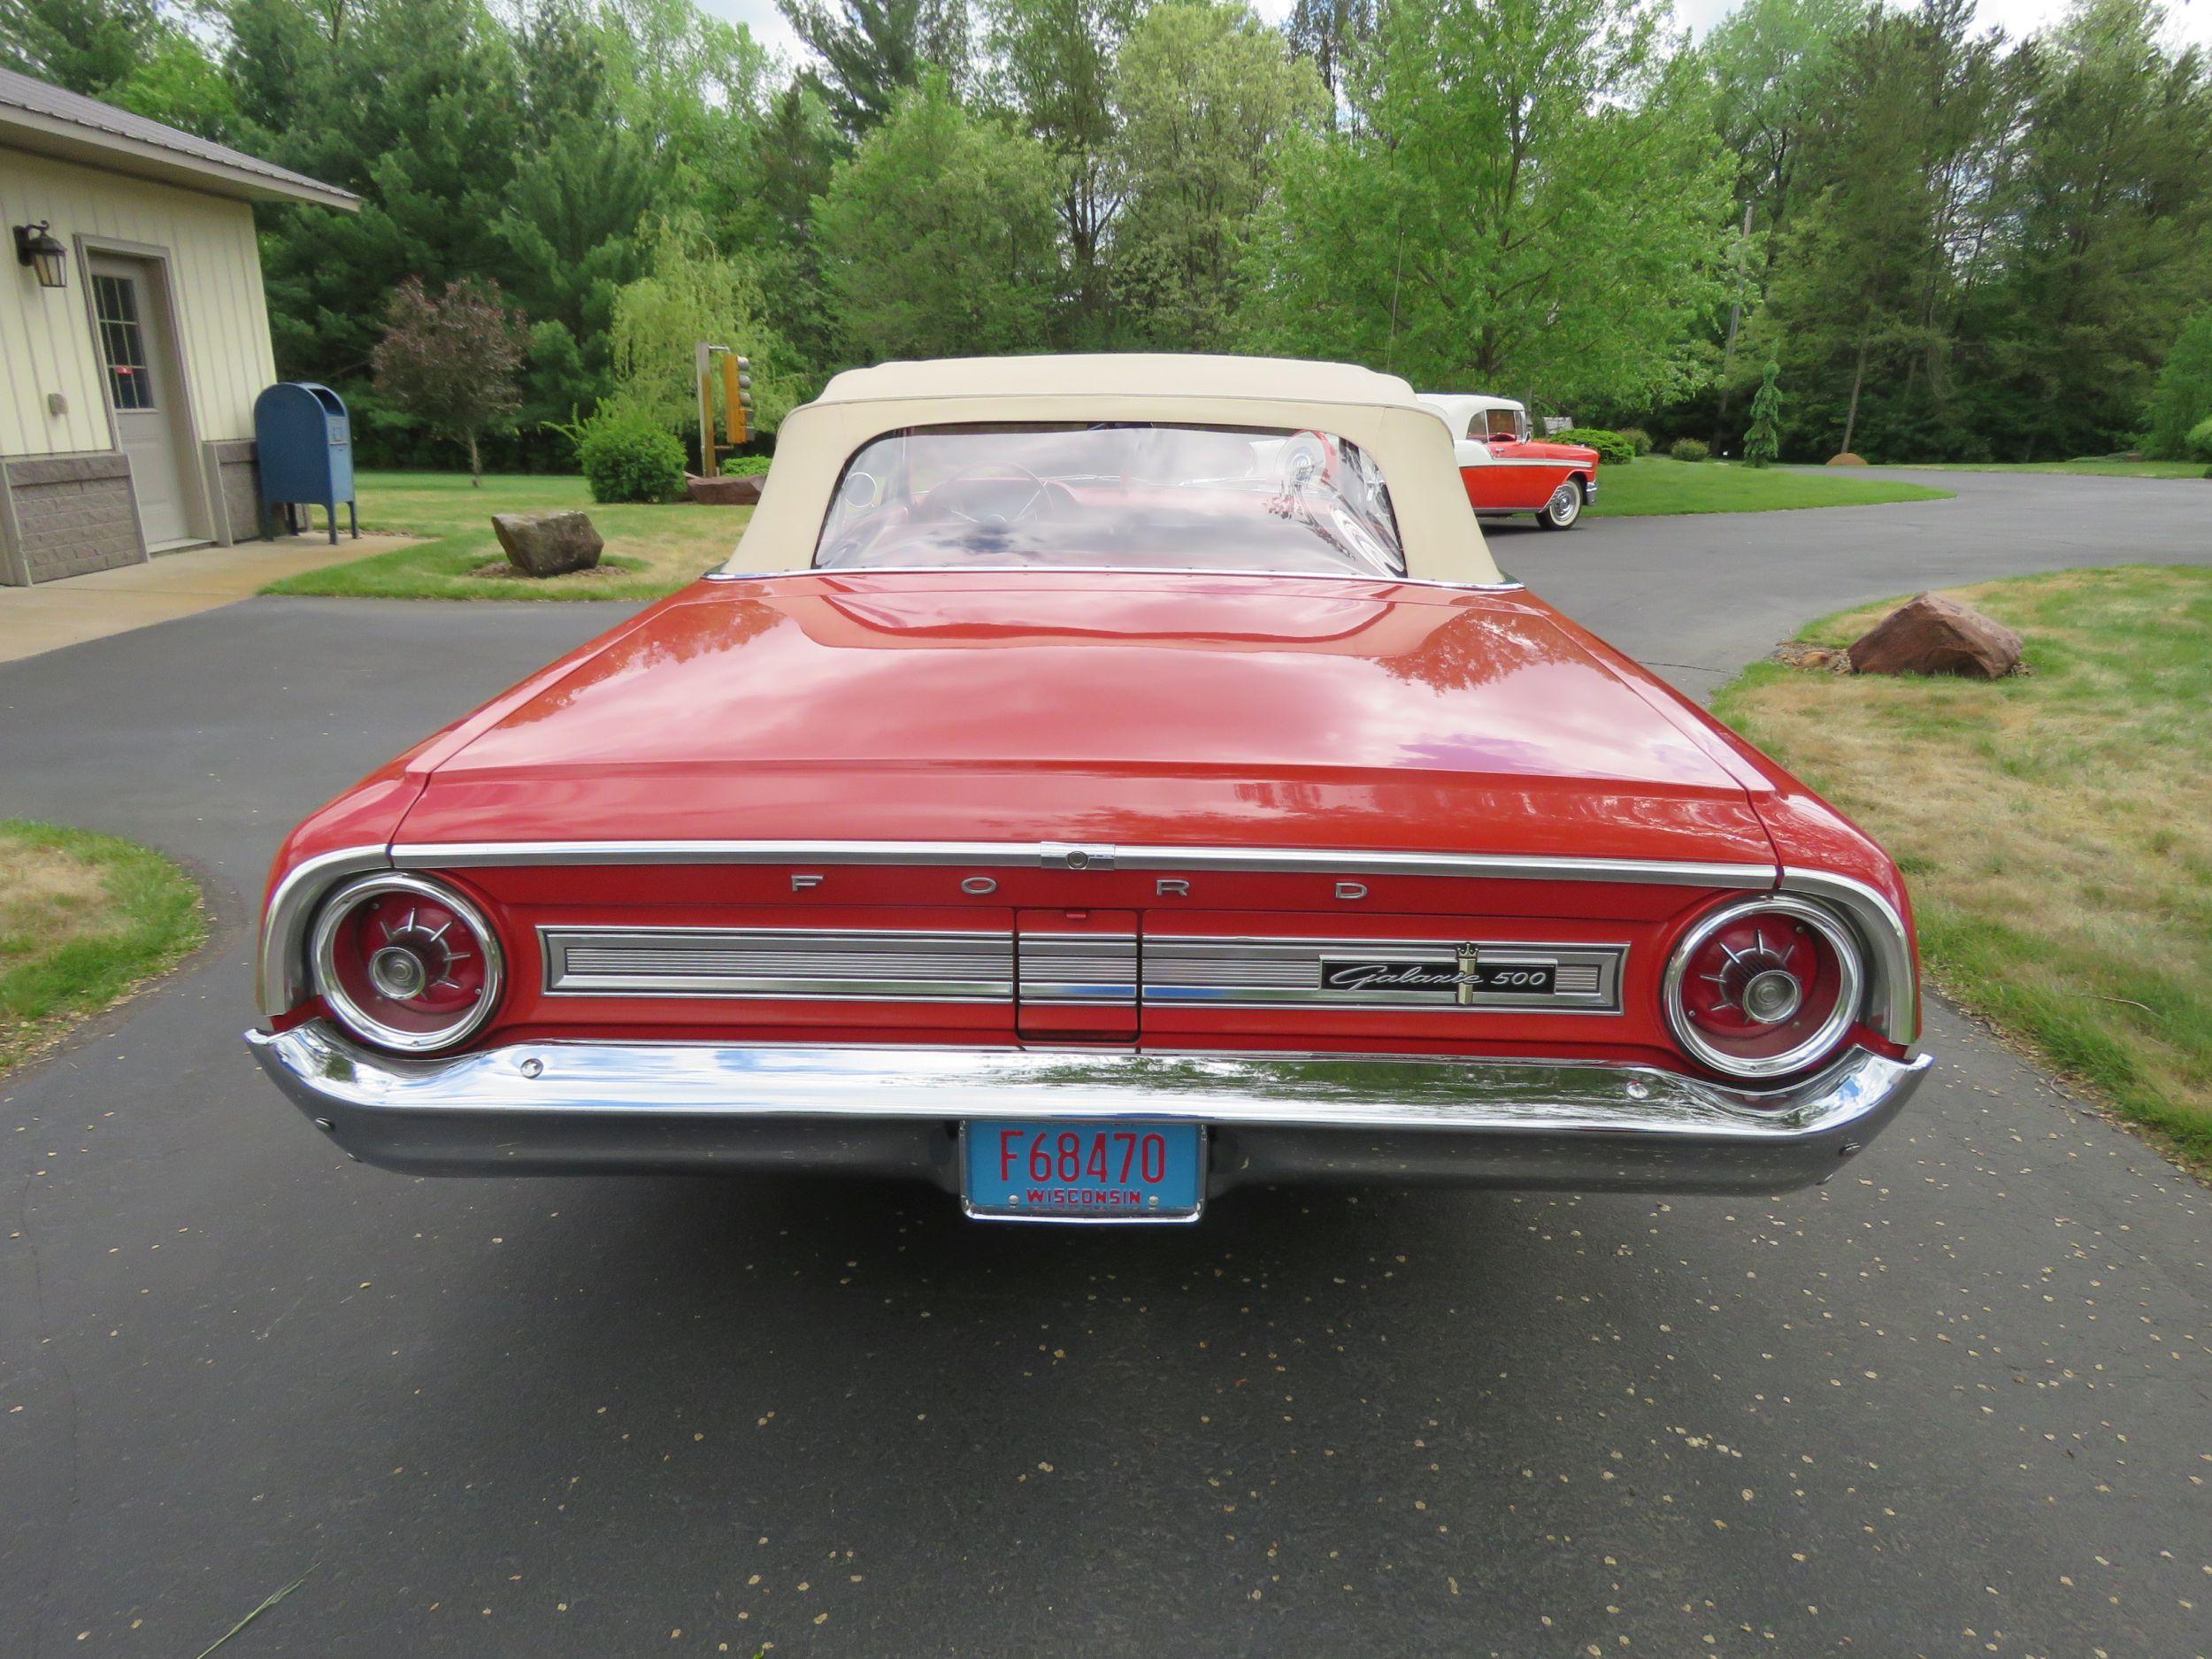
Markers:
{"x": 2184, "y": 395}
{"x": 1207, "y": 94}
{"x": 939, "y": 237}
{"x": 1528, "y": 200}
{"x": 450, "y": 361}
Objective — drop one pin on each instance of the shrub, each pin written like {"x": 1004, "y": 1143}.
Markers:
{"x": 1639, "y": 440}
{"x": 1688, "y": 449}
{"x": 1613, "y": 448}
{"x": 744, "y": 466}
{"x": 628, "y": 457}
{"x": 2183, "y": 394}
{"x": 2200, "y": 440}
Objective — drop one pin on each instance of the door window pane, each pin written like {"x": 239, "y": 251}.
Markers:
{"x": 122, "y": 342}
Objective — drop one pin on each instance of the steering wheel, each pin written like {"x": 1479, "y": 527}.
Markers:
{"x": 1005, "y": 471}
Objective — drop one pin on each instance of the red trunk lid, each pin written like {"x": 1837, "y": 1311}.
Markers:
{"x": 1073, "y": 706}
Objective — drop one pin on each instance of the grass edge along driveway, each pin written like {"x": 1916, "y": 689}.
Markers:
{"x": 652, "y": 547}
{"x": 1658, "y": 486}
{"x": 2055, "y": 828}
{"x": 85, "y": 920}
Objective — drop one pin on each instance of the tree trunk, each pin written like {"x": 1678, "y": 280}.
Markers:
{"x": 476, "y": 464}
{"x": 1858, "y": 379}
{"x": 1735, "y": 319}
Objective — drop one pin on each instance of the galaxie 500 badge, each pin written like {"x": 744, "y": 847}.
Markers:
{"x": 1461, "y": 976}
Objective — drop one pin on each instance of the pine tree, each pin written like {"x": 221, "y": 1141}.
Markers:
{"x": 1763, "y": 444}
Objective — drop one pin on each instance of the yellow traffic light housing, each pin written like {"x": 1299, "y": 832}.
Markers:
{"x": 737, "y": 397}
{"x": 737, "y": 404}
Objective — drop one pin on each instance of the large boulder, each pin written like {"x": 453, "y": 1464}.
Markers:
{"x": 548, "y": 543}
{"x": 731, "y": 489}
{"x": 1929, "y": 634}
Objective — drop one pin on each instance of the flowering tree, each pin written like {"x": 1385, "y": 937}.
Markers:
{"x": 450, "y": 362}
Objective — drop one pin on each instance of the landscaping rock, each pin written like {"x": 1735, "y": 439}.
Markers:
{"x": 548, "y": 543}
{"x": 1846, "y": 459}
{"x": 1928, "y": 634}
{"x": 741, "y": 489}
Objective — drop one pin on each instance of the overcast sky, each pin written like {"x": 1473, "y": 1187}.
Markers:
{"x": 2189, "y": 19}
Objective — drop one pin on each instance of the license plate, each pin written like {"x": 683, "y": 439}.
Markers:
{"x": 1085, "y": 1171}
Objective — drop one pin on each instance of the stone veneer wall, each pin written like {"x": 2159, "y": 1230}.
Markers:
{"x": 238, "y": 490}
{"x": 67, "y": 515}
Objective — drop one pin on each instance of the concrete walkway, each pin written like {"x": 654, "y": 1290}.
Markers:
{"x": 52, "y": 615}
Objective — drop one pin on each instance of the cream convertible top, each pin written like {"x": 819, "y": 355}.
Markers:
{"x": 1379, "y": 412}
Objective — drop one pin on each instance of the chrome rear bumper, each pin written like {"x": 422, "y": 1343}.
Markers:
{"x": 564, "y": 1107}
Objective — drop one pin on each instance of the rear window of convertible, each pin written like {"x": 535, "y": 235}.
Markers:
{"x": 1124, "y": 497}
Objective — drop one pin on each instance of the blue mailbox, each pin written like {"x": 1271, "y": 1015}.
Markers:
{"x": 304, "y": 446}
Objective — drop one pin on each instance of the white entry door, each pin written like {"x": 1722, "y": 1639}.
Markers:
{"x": 140, "y": 368}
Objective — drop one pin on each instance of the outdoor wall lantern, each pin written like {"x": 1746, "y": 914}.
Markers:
{"x": 34, "y": 247}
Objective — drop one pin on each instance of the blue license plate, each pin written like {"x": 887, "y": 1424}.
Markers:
{"x": 1106, "y": 1170}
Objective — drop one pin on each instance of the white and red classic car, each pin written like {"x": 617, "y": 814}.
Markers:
{"x": 1506, "y": 471}
{"x": 1094, "y": 783}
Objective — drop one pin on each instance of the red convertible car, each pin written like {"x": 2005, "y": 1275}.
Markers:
{"x": 1094, "y": 783}
{"x": 1506, "y": 471}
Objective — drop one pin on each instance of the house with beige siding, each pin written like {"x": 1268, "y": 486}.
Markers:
{"x": 134, "y": 337}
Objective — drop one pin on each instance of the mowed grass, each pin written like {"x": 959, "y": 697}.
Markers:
{"x": 2086, "y": 467}
{"x": 83, "y": 919}
{"x": 651, "y": 550}
{"x": 2056, "y": 829}
{"x": 1656, "y": 485}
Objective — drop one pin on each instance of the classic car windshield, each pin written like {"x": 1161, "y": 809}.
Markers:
{"x": 1125, "y": 495}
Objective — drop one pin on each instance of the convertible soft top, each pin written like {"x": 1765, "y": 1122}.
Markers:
{"x": 1379, "y": 413}
{"x": 1167, "y": 374}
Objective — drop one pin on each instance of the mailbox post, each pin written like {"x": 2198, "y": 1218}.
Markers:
{"x": 303, "y": 442}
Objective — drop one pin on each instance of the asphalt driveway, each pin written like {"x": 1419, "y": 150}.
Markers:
{"x": 1957, "y": 1402}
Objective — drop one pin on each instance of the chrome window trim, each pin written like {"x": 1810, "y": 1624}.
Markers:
{"x": 1850, "y": 1004}
{"x": 1508, "y": 586}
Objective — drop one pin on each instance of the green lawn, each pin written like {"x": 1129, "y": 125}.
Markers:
{"x": 2090, "y": 468}
{"x": 651, "y": 550}
{"x": 1655, "y": 484}
{"x": 84, "y": 919}
{"x": 2056, "y": 828}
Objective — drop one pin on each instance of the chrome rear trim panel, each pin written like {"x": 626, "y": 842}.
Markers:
{"x": 282, "y": 981}
{"x": 1277, "y": 972}
{"x": 657, "y": 1106}
{"x": 1087, "y": 969}
{"x": 828, "y": 965}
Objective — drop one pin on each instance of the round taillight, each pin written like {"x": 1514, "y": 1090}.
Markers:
{"x": 406, "y": 962}
{"x": 1764, "y": 986}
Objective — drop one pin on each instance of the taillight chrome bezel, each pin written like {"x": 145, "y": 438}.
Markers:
{"x": 1838, "y": 934}
{"x": 330, "y": 985}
